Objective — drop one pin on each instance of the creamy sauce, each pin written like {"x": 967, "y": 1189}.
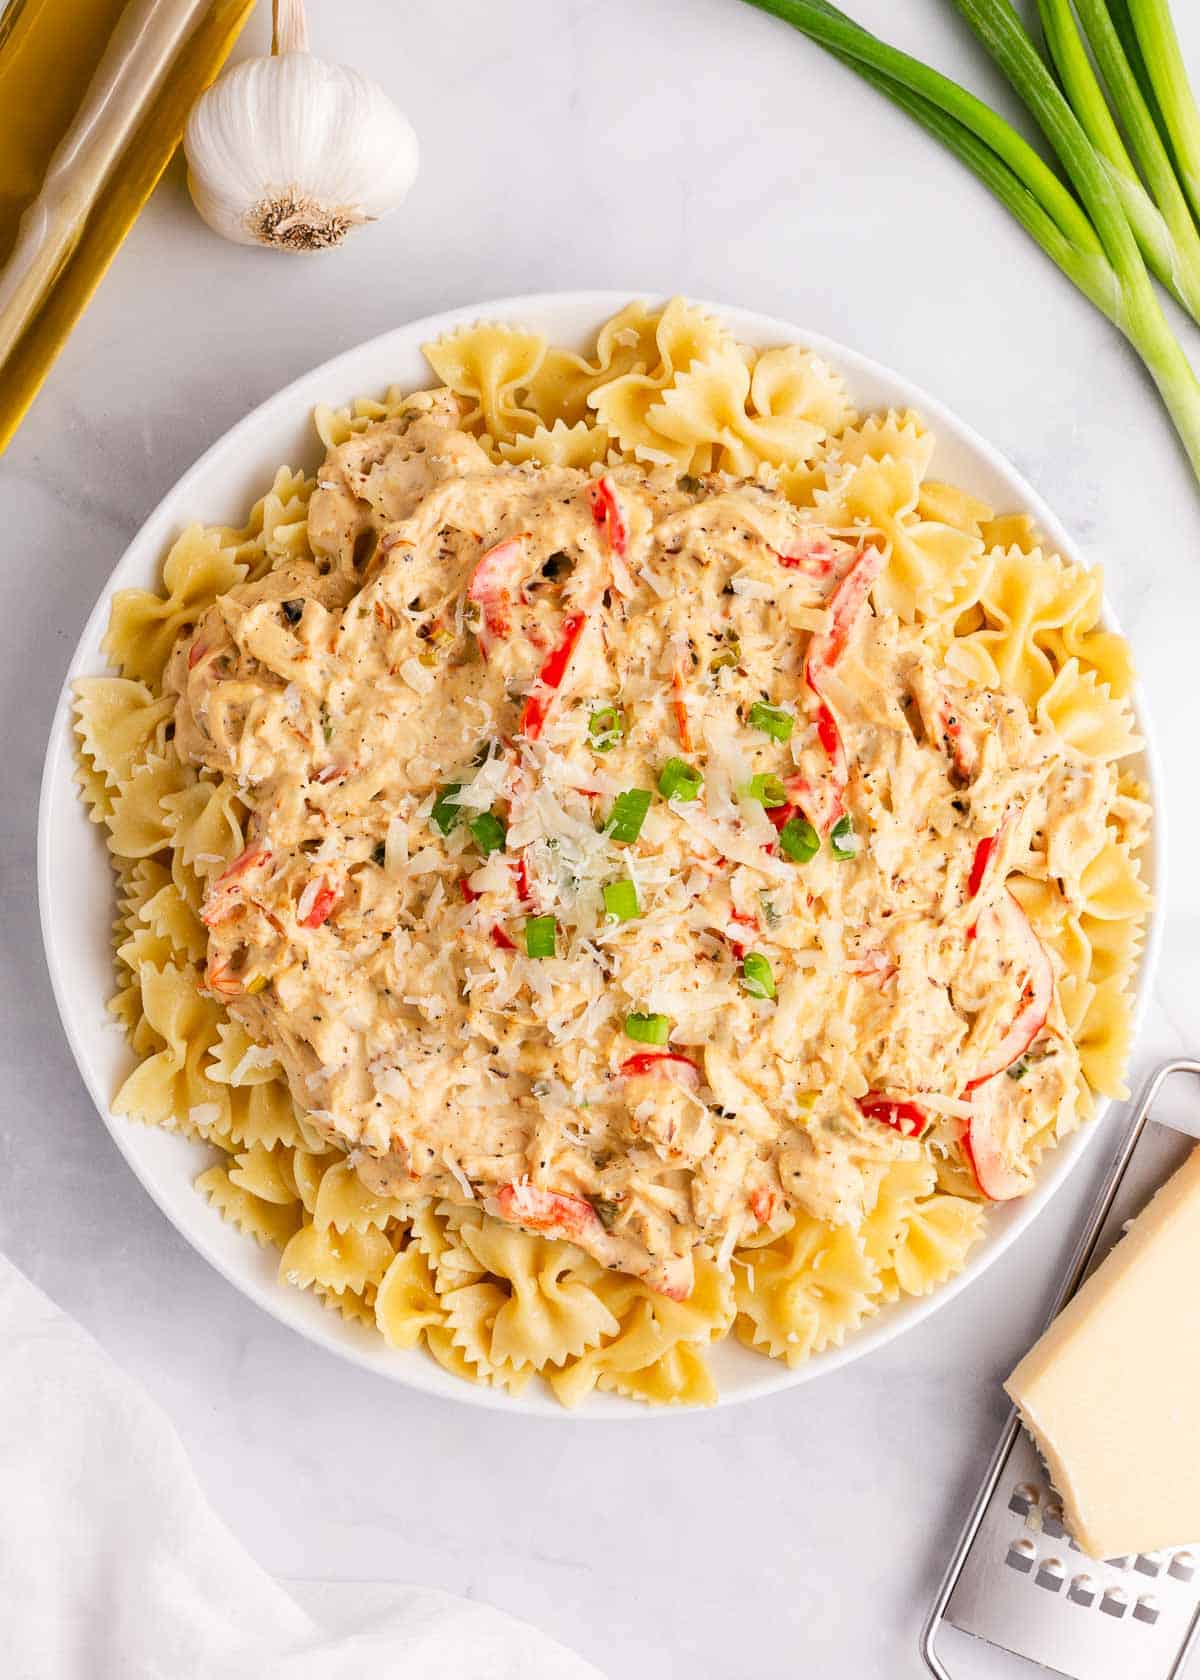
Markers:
{"x": 375, "y": 940}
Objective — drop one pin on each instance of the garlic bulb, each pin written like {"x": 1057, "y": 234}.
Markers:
{"x": 291, "y": 152}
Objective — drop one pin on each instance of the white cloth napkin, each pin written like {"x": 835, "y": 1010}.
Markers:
{"x": 113, "y": 1566}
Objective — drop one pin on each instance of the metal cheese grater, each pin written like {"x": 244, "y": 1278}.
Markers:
{"x": 1017, "y": 1578}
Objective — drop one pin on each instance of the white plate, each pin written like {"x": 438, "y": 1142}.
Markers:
{"x": 75, "y": 884}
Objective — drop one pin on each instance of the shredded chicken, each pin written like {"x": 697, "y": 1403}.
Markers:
{"x": 434, "y": 720}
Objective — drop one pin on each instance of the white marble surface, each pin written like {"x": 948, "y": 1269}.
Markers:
{"x": 692, "y": 145}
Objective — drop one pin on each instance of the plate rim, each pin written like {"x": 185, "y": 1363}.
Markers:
{"x": 328, "y": 1331}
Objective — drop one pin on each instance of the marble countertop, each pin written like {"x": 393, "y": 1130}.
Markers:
{"x": 690, "y": 145}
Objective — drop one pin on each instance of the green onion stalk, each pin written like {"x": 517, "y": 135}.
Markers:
{"x": 1103, "y": 228}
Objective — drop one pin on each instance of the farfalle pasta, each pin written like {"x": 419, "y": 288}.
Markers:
{"x": 542, "y": 1254}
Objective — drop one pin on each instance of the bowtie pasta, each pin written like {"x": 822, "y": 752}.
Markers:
{"x": 620, "y": 856}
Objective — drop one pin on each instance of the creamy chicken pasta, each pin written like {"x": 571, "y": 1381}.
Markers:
{"x": 621, "y": 855}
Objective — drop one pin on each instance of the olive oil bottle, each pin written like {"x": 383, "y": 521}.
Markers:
{"x": 94, "y": 95}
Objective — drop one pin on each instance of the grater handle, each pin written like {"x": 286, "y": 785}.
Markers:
{"x": 1075, "y": 1271}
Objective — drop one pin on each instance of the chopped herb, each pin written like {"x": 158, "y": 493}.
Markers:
{"x": 772, "y": 720}
{"x": 259, "y": 983}
{"x": 446, "y": 811}
{"x": 326, "y": 723}
{"x": 648, "y": 1029}
{"x": 379, "y": 853}
{"x": 690, "y": 483}
{"x": 770, "y": 915}
{"x": 606, "y": 1211}
{"x": 679, "y": 780}
{"x": 1018, "y": 1070}
{"x": 798, "y": 840}
{"x": 843, "y": 842}
{"x": 605, "y": 727}
{"x": 628, "y": 814}
{"x": 767, "y": 790}
{"x": 539, "y": 936}
{"x": 757, "y": 977}
{"x": 293, "y": 611}
{"x": 489, "y": 833}
{"x": 729, "y": 657}
{"x": 621, "y": 900}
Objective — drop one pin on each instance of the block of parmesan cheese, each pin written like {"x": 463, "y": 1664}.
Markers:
{"x": 1111, "y": 1393}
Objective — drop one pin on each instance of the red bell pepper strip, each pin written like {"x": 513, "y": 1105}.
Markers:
{"x": 903, "y": 1117}
{"x": 681, "y": 717}
{"x": 815, "y": 561}
{"x": 608, "y": 512}
{"x": 823, "y": 808}
{"x": 537, "y": 702}
{"x": 218, "y": 979}
{"x": 491, "y": 588}
{"x": 994, "y": 1173}
{"x": 666, "y": 1062}
{"x": 322, "y": 905}
{"x": 520, "y": 871}
{"x": 845, "y": 605}
{"x": 738, "y": 949}
{"x": 762, "y": 1204}
{"x": 222, "y": 896}
{"x": 549, "y": 1212}
{"x": 821, "y": 805}
{"x": 1036, "y": 996}
{"x": 497, "y": 934}
{"x": 984, "y": 853}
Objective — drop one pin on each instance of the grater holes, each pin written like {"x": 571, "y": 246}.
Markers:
{"x": 1148, "y": 1563}
{"x": 1083, "y": 1590}
{"x": 1146, "y": 1609}
{"x": 1051, "y": 1574}
{"x": 1115, "y": 1601}
{"x": 1052, "y": 1522}
{"x": 1022, "y": 1555}
{"x": 1182, "y": 1566}
{"x": 1024, "y": 1498}
{"x": 1119, "y": 1562}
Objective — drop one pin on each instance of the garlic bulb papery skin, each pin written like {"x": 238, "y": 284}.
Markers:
{"x": 292, "y": 152}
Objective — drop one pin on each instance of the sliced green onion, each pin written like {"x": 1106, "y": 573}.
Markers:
{"x": 648, "y": 1029}
{"x": 799, "y": 840}
{"x": 770, "y": 914}
{"x": 606, "y": 726}
{"x": 539, "y": 936}
{"x": 1018, "y": 1070}
{"x": 772, "y": 720}
{"x": 843, "y": 842}
{"x": 489, "y": 833}
{"x": 767, "y": 790}
{"x": 679, "y": 780}
{"x": 628, "y": 814}
{"x": 621, "y": 900}
{"x": 729, "y": 658}
{"x": 757, "y": 977}
{"x": 446, "y": 812}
